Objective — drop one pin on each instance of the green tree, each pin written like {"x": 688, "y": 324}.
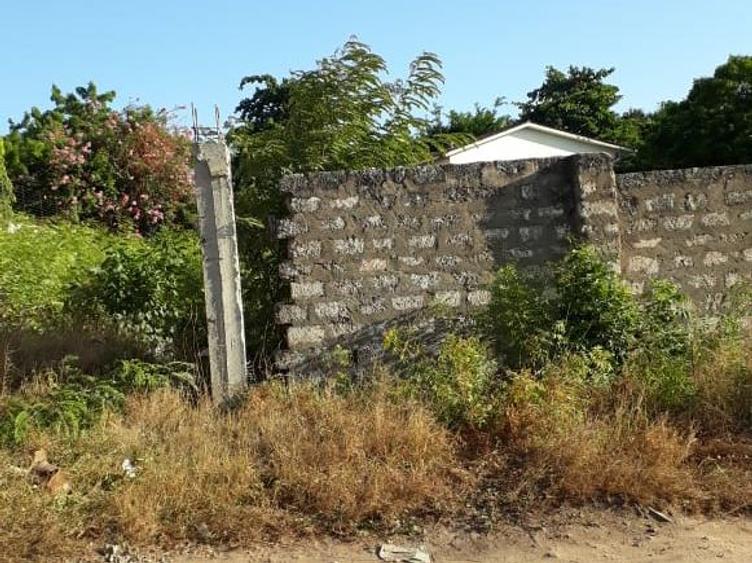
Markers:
{"x": 478, "y": 123}
{"x": 712, "y": 126}
{"x": 342, "y": 114}
{"x": 578, "y": 101}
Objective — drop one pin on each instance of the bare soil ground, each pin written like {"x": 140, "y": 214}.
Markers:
{"x": 588, "y": 535}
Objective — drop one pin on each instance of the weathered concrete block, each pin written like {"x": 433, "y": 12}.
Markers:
{"x": 344, "y": 203}
{"x": 374, "y": 222}
{"x": 289, "y": 271}
{"x": 643, "y": 265}
{"x": 444, "y": 222}
{"x": 425, "y": 281}
{"x": 496, "y": 234}
{"x": 349, "y": 246}
{"x": 479, "y": 298}
{"x": 594, "y": 208}
{"x": 460, "y": 239}
{"x": 338, "y": 330}
{"x": 304, "y": 336}
{"x": 382, "y": 243}
{"x": 373, "y": 265}
{"x": 422, "y": 241}
{"x": 642, "y": 225}
{"x": 333, "y": 224}
{"x": 447, "y": 262}
{"x": 411, "y": 261}
{"x": 306, "y": 290}
{"x": 695, "y": 202}
{"x": 647, "y": 243}
{"x": 448, "y": 298}
{"x": 714, "y": 258}
{"x": 288, "y": 314}
{"x": 305, "y": 204}
{"x": 310, "y": 249}
{"x": 332, "y": 310}
{"x": 663, "y": 202}
{"x": 678, "y": 223}
{"x": 287, "y": 228}
{"x": 551, "y": 211}
{"x": 345, "y": 287}
{"x": 699, "y": 240}
{"x": 385, "y": 281}
{"x": 703, "y": 281}
{"x": 732, "y": 279}
{"x": 408, "y": 302}
{"x": 531, "y": 233}
{"x": 372, "y": 306}
{"x": 716, "y": 220}
{"x": 408, "y": 222}
{"x": 738, "y": 198}
{"x": 520, "y": 252}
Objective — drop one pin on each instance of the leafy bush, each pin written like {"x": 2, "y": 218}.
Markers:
{"x": 37, "y": 265}
{"x": 667, "y": 320}
{"x": 84, "y": 160}
{"x": 519, "y": 318}
{"x": 596, "y": 307}
{"x": 70, "y": 289}
{"x": 458, "y": 385}
{"x": 588, "y": 311}
{"x": 151, "y": 289}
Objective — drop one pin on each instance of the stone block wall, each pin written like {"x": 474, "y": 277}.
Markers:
{"x": 691, "y": 226}
{"x": 368, "y": 248}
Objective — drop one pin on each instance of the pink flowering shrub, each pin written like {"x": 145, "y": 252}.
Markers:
{"x": 127, "y": 169}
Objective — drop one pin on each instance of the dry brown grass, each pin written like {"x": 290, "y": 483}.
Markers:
{"x": 724, "y": 390}
{"x": 305, "y": 459}
{"x": 564, "y": 449}
{"x": 284, "y": 461}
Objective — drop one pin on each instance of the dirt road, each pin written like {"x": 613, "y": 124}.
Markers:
{"x": 580, "y": 536}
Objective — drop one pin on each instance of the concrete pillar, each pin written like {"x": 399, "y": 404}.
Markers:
{"x": 224, "y": 307}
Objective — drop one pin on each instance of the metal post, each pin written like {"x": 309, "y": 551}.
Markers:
{"x": 224, "y": 310}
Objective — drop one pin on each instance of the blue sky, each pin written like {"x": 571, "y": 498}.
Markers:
{"x": 169, "y": 53}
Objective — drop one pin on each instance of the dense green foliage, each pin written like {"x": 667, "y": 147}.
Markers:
{"x": 84, "y": 160}
{"x": 587, "y": 308}
{"x": 457, "y": 383}
{"x": 581, "y": 332}
{"x": 152, "y": 290}
{"x": 340, "y": 115}
{"x": 712, "y": 126}
{"x": 65, "y": 283}
{"x": 480, "y": 122}
{"x": 37, "y": 265}
{"x": 578, "y": 101}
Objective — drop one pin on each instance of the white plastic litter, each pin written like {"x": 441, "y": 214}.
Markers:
{"x": 400, "y": 554}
